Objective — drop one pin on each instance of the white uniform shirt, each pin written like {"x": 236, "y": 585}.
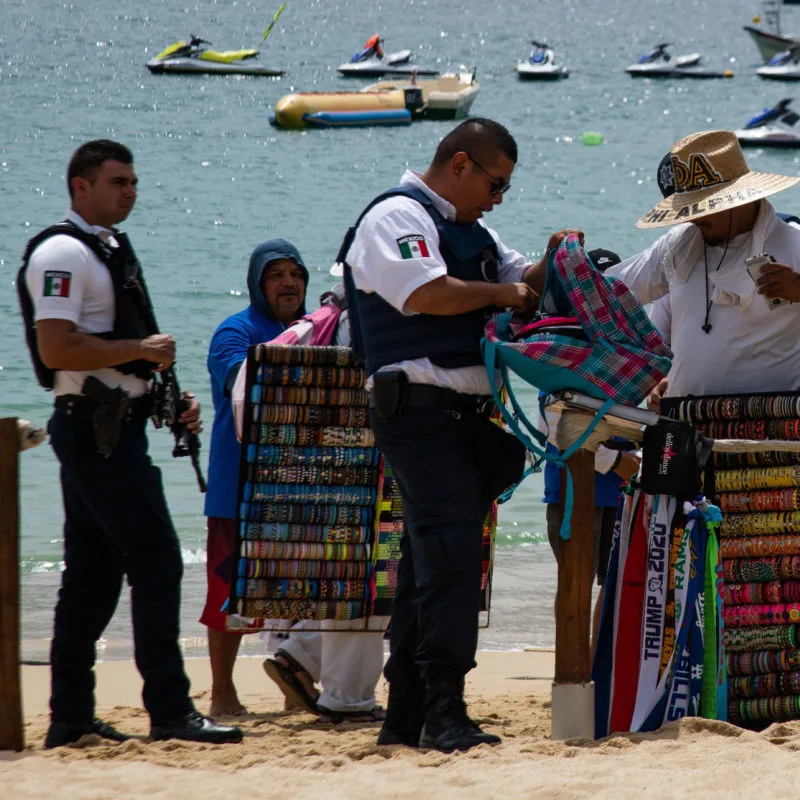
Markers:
{"x": 750, "y": 348}
{"x": 378, "y": 265}
{"x": 66, "y": 280}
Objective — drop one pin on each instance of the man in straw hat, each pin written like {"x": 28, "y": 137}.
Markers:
{"x": 725, "y": 337}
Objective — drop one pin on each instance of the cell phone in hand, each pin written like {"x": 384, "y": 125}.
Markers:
{"x": 754, "y": 265}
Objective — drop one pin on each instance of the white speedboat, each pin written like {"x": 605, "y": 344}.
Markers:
{"x": 658, "y": 63}
{"x": 784, "y": 66}
{"x": 770, "y": 39}
{"x": 449, "y": 96}
{"x": 540, "y": 65}
{"x": 773, "y": 127}
{"x": 372, "y": 62}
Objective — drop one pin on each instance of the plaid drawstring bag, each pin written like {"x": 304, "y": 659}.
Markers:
{"x": 591, "y": 335}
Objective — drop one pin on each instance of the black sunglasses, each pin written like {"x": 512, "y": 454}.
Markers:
{"x": 498, "y": 186}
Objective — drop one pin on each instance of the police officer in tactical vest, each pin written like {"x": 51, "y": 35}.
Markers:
{"x": 423, "y": 273}
{"x": 93, "y": 341}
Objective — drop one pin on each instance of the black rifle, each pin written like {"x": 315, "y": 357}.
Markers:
{"x": 168, "y": 405}
{"x": 168, "y": 402}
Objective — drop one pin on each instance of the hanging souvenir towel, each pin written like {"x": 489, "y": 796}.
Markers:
{"x": 659, "y": 629}
{"x": 617, "y": 356}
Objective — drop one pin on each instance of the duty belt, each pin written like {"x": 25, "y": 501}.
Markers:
{"x": 421, "y": 395}
{"x": 83, "y": 407}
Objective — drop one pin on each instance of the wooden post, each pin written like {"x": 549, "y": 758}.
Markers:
{"x": 573, "y": 693}
{"x": 11, "y": 731}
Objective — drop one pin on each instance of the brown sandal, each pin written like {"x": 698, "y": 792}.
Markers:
{"x": 285, "y": 671}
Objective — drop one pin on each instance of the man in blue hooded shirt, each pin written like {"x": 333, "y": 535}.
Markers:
{"x": 277, "y": 281}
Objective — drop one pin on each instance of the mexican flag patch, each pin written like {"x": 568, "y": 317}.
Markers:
{"x": 56, "y": 284}
{"x": 413, "y": 246}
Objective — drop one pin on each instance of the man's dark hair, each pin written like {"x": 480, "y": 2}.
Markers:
{"x": 89, "y": 157}
{"x": 479, "y": 137}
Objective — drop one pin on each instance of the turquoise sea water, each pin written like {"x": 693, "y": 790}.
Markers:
{"x": 215, "y": 179}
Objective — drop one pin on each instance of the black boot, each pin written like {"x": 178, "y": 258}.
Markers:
{"x": 447, "y": 726}
{"x": 405, "y": 712}
{"x": 61, "y": 733}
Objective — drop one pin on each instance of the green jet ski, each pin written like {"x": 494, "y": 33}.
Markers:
{"x": 194, "y": 57}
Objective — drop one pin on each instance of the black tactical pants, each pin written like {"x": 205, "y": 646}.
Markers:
{"x": 117, "y": 525}
{"x": 450, "y": 465}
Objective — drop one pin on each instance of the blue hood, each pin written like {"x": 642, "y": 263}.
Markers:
{"x": 269, "y": 251}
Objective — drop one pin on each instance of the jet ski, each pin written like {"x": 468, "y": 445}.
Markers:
{"x": 193, "y": 57}
{"x": 184, "y": 58}
{"x": 658, "y": 63}
{"x": 784, "y": 66}
{"x": 773, "y": 127}
{"x": 540, "y": 65}
{"x": 372, "y": 62}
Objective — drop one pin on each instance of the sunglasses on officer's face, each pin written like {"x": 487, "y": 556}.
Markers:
{"x": 498, "y": 186}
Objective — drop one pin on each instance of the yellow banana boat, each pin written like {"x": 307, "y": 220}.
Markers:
{"x": 347, "y": 109}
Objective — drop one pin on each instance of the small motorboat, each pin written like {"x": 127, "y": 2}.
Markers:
{"x": 372, "y": 62}
{"x": 770, "y": 40}
{"x": 389, "y": 102}
{"x": 773, "y": 127}
{"x": 193, "y": 57}
{"x": 449, "y": 96}
{"x": 783, "y": 66}
{"x": 540, "y": 65}
{"x": 658, "y": 63}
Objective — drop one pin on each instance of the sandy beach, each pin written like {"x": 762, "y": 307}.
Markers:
{"x": 287, "y": 754}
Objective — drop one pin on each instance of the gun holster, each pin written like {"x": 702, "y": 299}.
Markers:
{"x": 389, "y": 393}
{"x": 111, "y": 408}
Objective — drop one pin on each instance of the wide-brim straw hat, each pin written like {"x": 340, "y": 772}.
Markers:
{"x": 711, "y": 175}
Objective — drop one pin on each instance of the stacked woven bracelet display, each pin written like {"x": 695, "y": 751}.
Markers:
{"x": 310, "y": 484}
{"x": 759, "y": 494}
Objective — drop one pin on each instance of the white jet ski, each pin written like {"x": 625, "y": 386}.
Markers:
{"x": 784, "y": 66}
{"x": 540, "y": 65}
{"x": 773, "y": 127}
{"x": 372, "y": 62}
{"x": 658, "y": 63}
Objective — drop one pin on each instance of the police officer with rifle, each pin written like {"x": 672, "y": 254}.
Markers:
{"x": 94, "y": 342}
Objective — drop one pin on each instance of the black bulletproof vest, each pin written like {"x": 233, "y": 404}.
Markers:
{"x": 381, "y": 335}
{"x": 133, "y": 317}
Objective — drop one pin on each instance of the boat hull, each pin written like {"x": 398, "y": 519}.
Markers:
{"x": 784, "y": 141}
{"x": 379, "y": 70}
{"x": 444, "y": 106}
{"x": 527, "y": 72}
{"x": 770, "y": 44}
{"x": 779, "y": 73}
{"x": 637, "y": 71}
{"x": 196, "y": 66}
